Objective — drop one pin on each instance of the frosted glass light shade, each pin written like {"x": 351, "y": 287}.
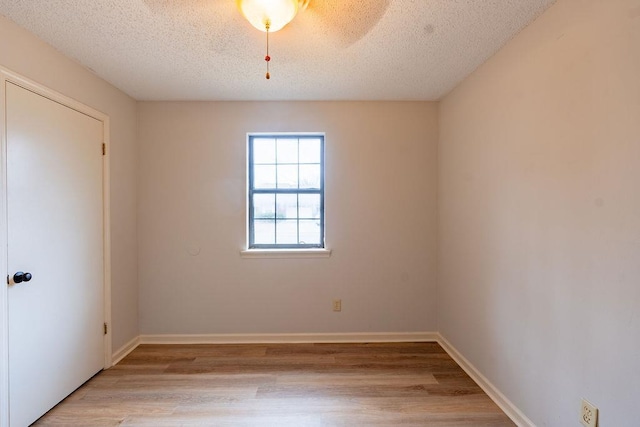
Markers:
{"x": 274, "y": 13}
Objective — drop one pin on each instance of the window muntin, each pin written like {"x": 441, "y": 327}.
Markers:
{"x": 286, "y": 191}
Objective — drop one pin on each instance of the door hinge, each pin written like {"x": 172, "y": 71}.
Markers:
{"x": 104, "y": 148}
{"x": 106, "y": 328}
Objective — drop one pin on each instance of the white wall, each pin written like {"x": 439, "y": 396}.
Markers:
{"x": 539, "y": 215}
{"x": 24, "y": 53}
{"x": 380, "y": 220}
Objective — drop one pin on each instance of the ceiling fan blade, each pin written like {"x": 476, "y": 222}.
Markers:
{"x": 202, "y": 10}
{"x": 214, "y": 24}
{"x": 347, "y": 20}
{"x": 169, "y": 6}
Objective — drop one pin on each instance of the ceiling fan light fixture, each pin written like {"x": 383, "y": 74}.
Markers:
{"x": 269, "y": 15}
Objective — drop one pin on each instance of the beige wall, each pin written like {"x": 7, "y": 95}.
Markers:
{"x": 22, "y": 52}
{"x": 539, "y": 215}
{"x": 380, "y": 220}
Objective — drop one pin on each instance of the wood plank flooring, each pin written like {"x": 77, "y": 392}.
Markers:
{"x": 281, "y": 385}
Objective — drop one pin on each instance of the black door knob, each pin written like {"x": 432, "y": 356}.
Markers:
{"x": 20, "y": 277}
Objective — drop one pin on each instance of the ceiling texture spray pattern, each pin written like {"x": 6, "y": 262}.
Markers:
{"x": 333, "y": 50}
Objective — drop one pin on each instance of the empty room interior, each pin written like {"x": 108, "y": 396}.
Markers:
{"x": 319, "y": 213}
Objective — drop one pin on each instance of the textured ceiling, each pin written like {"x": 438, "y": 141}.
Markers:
{"x": 333, "y": 50}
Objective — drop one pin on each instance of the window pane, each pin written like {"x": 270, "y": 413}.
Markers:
{"x": 310, "y": 150}
{"x": 288, "y": 176}
{"x": 309, "y": 206}
{"x": 264, "y": 232}
{"x": 264, "y": 150}
{"x": 310, "y": 232}
{"x": 264, "y": 177}
{"x": 264, "y": 206}
{"x": 286, "y": 179}
{"x": 288, "y": 150}
{"x": 309, "y": 176}
{"x": 287, "y": 206}
{"x": 287, "y": 232}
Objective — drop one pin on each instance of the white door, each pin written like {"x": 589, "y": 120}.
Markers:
{"x": 55, "y": 233}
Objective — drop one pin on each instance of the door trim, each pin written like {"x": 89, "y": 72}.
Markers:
{"x": 9, "y": 76}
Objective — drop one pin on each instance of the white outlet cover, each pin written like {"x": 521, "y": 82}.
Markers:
{"x": 588, "y": 414}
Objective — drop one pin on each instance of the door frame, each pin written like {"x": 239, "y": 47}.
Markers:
{"x": 7, "y": 75}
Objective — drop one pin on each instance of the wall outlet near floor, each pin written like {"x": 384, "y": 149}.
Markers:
{"x": 337, "y": 305}
{"x": 588, "y": 414}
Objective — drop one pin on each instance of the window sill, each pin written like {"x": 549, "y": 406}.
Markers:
{"x": 286, "y": 253}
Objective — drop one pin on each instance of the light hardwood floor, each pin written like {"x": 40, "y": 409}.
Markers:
{"x": 281, "y": 385}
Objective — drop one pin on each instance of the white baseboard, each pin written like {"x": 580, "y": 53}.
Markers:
{"x": 123, "y": 351}
{"x": 290, "y": 338}
{"x": 492, "y": 391}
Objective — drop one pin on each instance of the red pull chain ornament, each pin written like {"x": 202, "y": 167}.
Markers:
{"x": 268, "y": 58}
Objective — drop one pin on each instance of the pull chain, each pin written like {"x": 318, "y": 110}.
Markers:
{"x": 268, "y": 58}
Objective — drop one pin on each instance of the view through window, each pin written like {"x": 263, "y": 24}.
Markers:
{"x": 286, "y": 191}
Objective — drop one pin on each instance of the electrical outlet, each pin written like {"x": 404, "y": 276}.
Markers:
{"x": 588, "y": 414}
{"x": 337, "y": 305}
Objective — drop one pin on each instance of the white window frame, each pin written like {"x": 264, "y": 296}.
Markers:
{"x": 290, "y": 251}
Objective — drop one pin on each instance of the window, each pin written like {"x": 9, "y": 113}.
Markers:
{"x": 286, "y": 191}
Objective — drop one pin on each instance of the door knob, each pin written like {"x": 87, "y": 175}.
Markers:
{"x": 20, "y": 277}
